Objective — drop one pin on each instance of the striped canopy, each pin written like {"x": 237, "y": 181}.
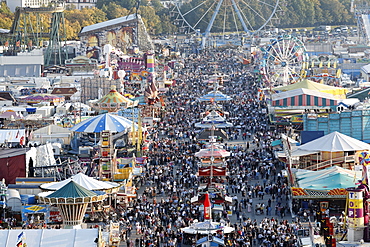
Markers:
{"x": 102, "y": 122}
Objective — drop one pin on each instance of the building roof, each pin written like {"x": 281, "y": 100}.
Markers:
{"x": 108, "y": 23}
{"x": 366, "y": 69}
{"x": 64, "y": 91}
{"x": 72, "y": 190}
{"x": 11, "y": 152}
{"x": 7, "y": 96}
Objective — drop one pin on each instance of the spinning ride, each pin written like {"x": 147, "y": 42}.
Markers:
{"x": 283, "y": 60}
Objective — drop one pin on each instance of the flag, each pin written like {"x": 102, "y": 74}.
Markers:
{"x": 20, "y": 240}
{"x": 21, "y": 141}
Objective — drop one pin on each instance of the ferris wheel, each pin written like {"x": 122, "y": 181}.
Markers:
{"x": 284, "y": 60}
{"x": 225, "y": 16}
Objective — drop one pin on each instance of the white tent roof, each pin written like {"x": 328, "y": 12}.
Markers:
{"x": 52, "y": 129}
{"x": 335, "y": 142}
{"x": 83, "y": 180}
{"x": 50, "y": 237}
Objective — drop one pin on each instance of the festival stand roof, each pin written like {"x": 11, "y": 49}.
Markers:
{"x": 212, "y": 151}
{"x": 102, "y": 122}
{"x": 335, "y": 142}
{"x": 301, "y": 97}
{"x": 83, "y": 180}
{"x": 213, "y": 119}
{"x": 339, "y": 93}
{"x": 214, "y": 96}
{"x": 327, "y": 183}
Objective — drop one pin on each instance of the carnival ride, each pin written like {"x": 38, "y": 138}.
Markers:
{"x": 283, "y": 61}
{"x": 29, "y": 30}
{"x": 224, "y": 16}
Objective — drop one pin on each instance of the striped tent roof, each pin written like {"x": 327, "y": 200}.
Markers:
{"x": 113, "y": 97}
{"x": 72, "y": 190}
{"x": 300, "y": 91}
{"x": 298, "y": 98}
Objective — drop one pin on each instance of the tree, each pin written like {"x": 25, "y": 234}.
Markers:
{"x": 113, "y": 10}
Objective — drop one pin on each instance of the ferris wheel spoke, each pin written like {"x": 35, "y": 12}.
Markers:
{"x": 236, "y": 24}
{"x": 205, "y": 13}
{"x": 254, "y": 11}
{"x": 267, "y": 4}
{"x": 224, "y": 23}
{"x": 193, "y": 9}
{"x": 277, "y": 52}
{"x": 249, "y": 24}
{"x": 237, "y": 11}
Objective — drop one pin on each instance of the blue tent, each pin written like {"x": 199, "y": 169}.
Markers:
{"x": 102, "y": 122}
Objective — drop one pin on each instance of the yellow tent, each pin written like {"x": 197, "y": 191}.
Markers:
{"x": 339, "y": 93}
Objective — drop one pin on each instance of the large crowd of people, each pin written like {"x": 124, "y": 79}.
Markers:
{"x": 163, "y": 207}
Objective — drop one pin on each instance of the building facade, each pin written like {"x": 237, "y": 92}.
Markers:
{"x": 80, "y": 4}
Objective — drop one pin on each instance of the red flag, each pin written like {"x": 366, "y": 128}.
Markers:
{"x": 21, "y": 141}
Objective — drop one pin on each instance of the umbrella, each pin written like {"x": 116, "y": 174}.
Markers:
{"x": 102, "y": 122}
{"x": 214, "y": 96}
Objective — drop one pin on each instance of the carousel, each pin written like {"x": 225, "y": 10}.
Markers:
{"x": 114, "y": 101}
{"x": 72, "y": 200}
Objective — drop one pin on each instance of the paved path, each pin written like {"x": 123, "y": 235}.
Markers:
{"x": 233, "y": 219}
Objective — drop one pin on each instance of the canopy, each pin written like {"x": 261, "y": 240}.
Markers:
{"x": 113, "y": 101}
{"x": 83, "y": 180}
{"x": 214, "y": 96}
{"x": 102, "y": 122}
{"x": 213, "y": 150}
{"x": 340, "y": 93}
{"x": 327, "y": 179}
{"x": 72, "y": 190}
{"x": 335, "y": 142}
